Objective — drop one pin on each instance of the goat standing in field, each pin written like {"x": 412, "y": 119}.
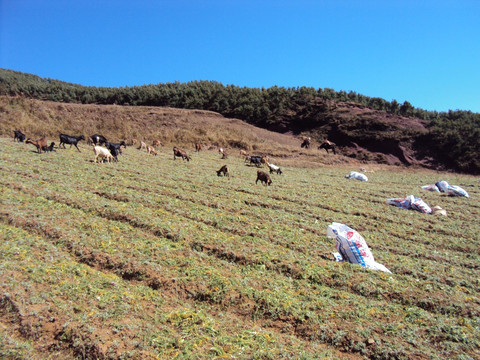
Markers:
{"x": 72, "y": 140}
{"x": 18, "y": 136}
{"x": 224, "y": 170}
{"x": 180, "y": 153}
{"x": 40, "y": 143}
{"x": 151, "y": 150}
{"x": 143, "y": 146}
{"x": 274, "y": 168}
{"x": 98, "y": 139}
{"x": 263, "y": 177}
{"x": 102, "y": 153}
{"x": 116, "y": 146}
{"x": 50, "y": 148}
{"x": 306, "y": 142}
{"x": 328, "y": 145}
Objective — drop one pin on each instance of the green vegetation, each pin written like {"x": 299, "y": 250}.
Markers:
{"x": 451, "y": 138}
{"x": 153, "y": 258}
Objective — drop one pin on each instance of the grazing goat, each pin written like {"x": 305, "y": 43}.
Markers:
{"x": 18, "y": 136}
{"x": 50, "y": 148}
{"x": 98, "y": 139}
{"x": 114, "y": 151}
{"x": 103, "y": 153}
{"x": 328, "y": 145}
{"x": 151, "y": 150}
{"x": 198, "y": 147}
{"x": 117, "y": 146}
{"x": 274, "y": 168}
{"x": 306, "y": 142}
{"x": 180, "y": 153}
{"x": 72, "y": 140}
{"x": 263, "y": 177}
{"x": 156, "y": 143}
{"x": 133, "y": 141}
{"x": 224, "y": 170}
{"x": 143, "y": 146}
{"x": 243, "y": 153}
{"x": 257, "y": 160}
{"x": 40, "y": 143}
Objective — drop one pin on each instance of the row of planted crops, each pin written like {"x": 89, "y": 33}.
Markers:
{"x": 152, "y": 257}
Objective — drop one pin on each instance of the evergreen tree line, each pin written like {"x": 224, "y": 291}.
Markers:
{"x": 453, "y": 136}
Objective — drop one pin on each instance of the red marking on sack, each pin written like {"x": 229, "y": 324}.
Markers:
{"x": 349, "y": 235}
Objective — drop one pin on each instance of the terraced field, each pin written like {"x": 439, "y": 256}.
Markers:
{"x": 151, "y": 258}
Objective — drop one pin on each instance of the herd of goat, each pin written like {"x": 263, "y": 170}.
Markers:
{"x": 106, "y": 151}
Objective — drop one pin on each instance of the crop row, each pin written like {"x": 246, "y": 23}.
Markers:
{"x": 258, "y": 253}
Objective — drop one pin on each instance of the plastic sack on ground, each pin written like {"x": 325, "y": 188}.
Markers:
{"x": 455, "y": 190}
{"x": 357, "y": 176}
{"x": 431, "y": 187}
{"x": 452, "y": 190}
{"x": 442, "y": 185}
{"x": 352, "y": 247}
{"x": 411, "y": 202}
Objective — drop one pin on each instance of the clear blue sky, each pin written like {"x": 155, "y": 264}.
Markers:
{"x": 425, "y": 52}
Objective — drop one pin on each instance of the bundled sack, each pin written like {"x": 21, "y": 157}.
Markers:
{"x": 357, "y": 176}
{"x": 411, "y": 203}
{"x": 431, "y": 187}
{"x": 452, "y": 190}
{"x": 352, "y": 247}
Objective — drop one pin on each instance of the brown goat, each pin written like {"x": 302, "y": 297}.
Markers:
{"x": 156, "y": 143}
{"x": 263, "y": 177}
{"x": 151, "y": 150}
{"x": 180, "y": 153}
{"x": 39, "y": 143}
{"x": 198, "y": 147}
{"x": 224, "y": 170}
{"x": 143, "y": 146}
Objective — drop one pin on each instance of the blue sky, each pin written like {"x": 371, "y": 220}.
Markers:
{"x": 425, "y": 52}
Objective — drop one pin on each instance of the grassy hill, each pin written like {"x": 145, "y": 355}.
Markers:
{"x": 174, "y": 127}
{"x": 155, "y": 258}
{"x": 364, "y": 128}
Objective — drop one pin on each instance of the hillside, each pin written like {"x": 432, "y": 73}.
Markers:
{"x": 174, "y": 127}
{"x": 182, "y": 127}
{"x": 365, "y": 128}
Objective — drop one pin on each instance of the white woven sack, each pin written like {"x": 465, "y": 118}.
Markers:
{"x": 353, "y": 247}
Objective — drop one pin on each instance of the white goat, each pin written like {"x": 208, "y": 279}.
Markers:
{"x": 151, "y": 150}
{"x": 103, "y": 153}
{"x": 274, "y": 168}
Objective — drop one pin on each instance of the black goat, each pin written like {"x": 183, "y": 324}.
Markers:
{"x": 72, "y": 140}
{"x": 114, "y": 151}
{"x": 257, "y": 160}
{"x": 49, "y": 148}
{"x": 98, "y": 139}
{"x": 117, "y": 147}
{"x": 19, "y": 136}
